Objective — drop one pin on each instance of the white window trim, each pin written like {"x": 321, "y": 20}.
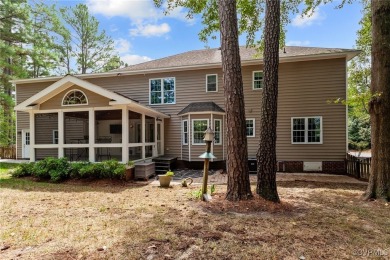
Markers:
{"x": 192, "y": 127}
{"x": 254, "y": 127}
{"x": 220, "y": 132}
{"x": 162, "y": 91}
{"x": 54, "y": 137}
{"x": 306, "y": 130}
{"x": 182, "y": 136}
{"x": 253, "y": 80}
{"x": 216, "y": 82}
{"x": 72, "y": 105}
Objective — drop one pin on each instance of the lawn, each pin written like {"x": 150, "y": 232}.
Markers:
{"x": 115, "y": 220}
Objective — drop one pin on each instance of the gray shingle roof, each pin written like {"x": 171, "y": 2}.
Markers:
{"x": 213, "y": 56}
{"x": 201, "y": 107}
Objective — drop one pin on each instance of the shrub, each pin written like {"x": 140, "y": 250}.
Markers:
{"x": 111, "y": 169}
{"x": 52, "y": 168}
{"x": 60, "y": 169}
{"x": 77, "y": 170}
{"x": 23, "y": 170}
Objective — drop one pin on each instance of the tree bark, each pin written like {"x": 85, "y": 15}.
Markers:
{"x": 379, "y": 183}
{"x": 266, "y": 155}
{"x": 238, "y": 185}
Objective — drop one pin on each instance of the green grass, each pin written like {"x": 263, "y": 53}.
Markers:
{"x": 5, "y": 169}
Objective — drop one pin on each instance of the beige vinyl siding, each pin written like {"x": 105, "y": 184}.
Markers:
{"x": 74, "y": 129}
{"x": 185, "y": 148}
{"x": 190, "y": 86}
{"x": 304, "y": 88}
{"x": 42, "y": 153}
{"x": 217, "y": 149}
{"x": 44, "y": 126}
{"x": 94, "y": 100}
{"x": 23, "y": 92}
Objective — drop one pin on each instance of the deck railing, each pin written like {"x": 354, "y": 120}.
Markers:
{"x": 358, "y": 167}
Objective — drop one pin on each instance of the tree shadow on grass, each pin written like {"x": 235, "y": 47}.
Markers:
{"x": 30, "y": 184}
{"x": 322, "y": 185}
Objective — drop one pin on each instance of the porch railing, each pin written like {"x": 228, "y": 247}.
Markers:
{"x": 8, "y": 152}
{"x": 358, "y": 167}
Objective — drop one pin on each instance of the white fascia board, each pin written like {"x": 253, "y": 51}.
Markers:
{"x": 348, "y": 55}
{"x": 65, "y": 83}
{"x": 203, "y": 112}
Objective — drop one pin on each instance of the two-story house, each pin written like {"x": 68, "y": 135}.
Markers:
{"x": 162, "y": 107}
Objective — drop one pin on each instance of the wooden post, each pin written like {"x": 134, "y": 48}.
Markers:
{"x": 206, "y": 171}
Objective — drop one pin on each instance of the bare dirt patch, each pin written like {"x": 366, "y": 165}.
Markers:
{"x": 117, "y": 220}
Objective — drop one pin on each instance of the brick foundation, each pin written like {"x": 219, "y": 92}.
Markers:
{"x": 290, "y": 166}
{"x": 199, "y": 165}
{"x": 334, "y": 167}
{"x": 337, "y": 167}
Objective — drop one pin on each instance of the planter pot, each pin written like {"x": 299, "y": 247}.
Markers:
{"x": 129, "y": 174}
{"x": 164, "y": 180}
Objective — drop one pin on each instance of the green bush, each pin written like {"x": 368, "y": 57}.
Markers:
{"x": 52, "y": 168}
{"x": 359, "y": 132}
{"x": 108, "y": 169}
{"x": 23, "y": 170}
{"x": 60, "y": 169}
{"x": 111, "y": 169}
{"x": 77, "y": 170}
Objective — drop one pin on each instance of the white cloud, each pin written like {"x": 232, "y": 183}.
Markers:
{"x": 308, "y": 19}
{"x": 136, "y": 10}
{"x": 298, "y": 43}
{"x": 122, "y": 45}
{"x": 133, "y": 9}
{"x": 132, "y": 59}
{"x": 150, "y": 30}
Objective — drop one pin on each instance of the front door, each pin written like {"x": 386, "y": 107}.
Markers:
{"x": 26, "y": 143}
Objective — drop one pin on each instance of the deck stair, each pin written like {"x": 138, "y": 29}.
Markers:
{"x": 164, "y": 164}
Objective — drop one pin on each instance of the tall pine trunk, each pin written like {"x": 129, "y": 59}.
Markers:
{"x": 238, "y": 186}
{"x": 379, "y": 184}
{"x": 266, "y": 155}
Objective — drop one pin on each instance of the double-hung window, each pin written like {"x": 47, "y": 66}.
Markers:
{"x": 162, "y": 91}
{"x": 257, "y": 80}
{"x": 211, "y": 83}
{"x": 250, "y": 127}
{"x": 199, "y": 126}
{"x": 185, "y": 132}
{"x": 55, "y": 136}
{"x": 217, "y": 131}
{"x": 306, "y": 130}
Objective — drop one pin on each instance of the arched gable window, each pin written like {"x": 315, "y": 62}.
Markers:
{"x": 74, "y": 97}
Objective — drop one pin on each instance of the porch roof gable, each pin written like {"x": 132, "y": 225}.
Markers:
{"x": 68, "y": 81}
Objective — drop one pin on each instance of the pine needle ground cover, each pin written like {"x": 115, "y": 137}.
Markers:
{"x": 117, "y": 220}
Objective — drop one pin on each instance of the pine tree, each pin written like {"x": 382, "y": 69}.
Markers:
{"x": 238, "y": 185}
{"x": 93, "y": 49}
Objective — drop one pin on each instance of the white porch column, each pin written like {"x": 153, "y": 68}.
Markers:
{"x": 162, "y": 136}
{"x": 189, "y": 137}
{"x": 125, "y": 134}
{"x": 212, "y": 128}
{"x": 91, "y": 138}
{"x": 61, "y": 134}
{"x": 155, "y": 151}
{"x": 32, "y": 136}
{"x": 143, "y": 135}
